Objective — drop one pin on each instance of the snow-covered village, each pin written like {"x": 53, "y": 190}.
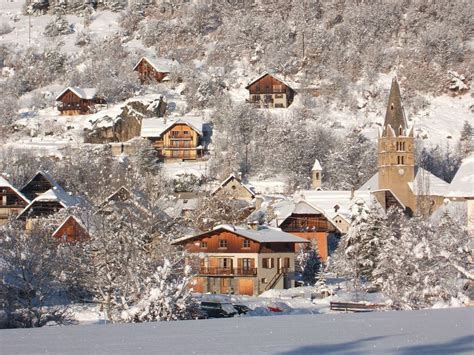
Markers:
{"x": 236, "y": 177}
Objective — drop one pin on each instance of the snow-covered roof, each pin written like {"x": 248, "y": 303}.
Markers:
{"x": 372, "y": 184}
{"x": 5, "y": 183}
{"x": 426, "y": 183}
{"x": 83, "y": 93}
{"x": 262, "y": 235}
{"x": 43, "y": 174}
{"x": 277, "y": 77}
{"x": 249, "y": 188}
{"x": 333, "y": 201}
{"x": 162, "y": 65}
{"x": 56, "y": 194}
{"x": 155, "y": 127}
{"x": 317, "y": 166}
{"x": 463, "y": 182}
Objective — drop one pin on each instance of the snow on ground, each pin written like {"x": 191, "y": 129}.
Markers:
{"x": 409, "y": 332}
{"x": 199, "y": 168}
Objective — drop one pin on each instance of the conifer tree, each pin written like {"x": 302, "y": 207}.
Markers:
{"x": 308, "y": 263}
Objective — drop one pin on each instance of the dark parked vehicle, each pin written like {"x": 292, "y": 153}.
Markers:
{"x": 218, "y": 309}
{"x": 241, "y": 309}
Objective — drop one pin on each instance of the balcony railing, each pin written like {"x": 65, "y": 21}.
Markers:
{"x": 228, "y": 271}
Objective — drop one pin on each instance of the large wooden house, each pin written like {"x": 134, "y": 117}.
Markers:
{"x": 267, "y": 91}
{"x": 238, "y": 260}
{"x": 180, "y": 139}
{"x": 12, "y": 201}
{"x": 79, "y": 101}
{"x": 71, "y": 230}
{"x": 311, "y": 223}
{"x": 150, "y": 69}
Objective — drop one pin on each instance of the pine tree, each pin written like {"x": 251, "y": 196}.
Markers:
{"x": 308, "y": 263}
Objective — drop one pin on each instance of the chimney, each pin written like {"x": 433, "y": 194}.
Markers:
{"x": 316, "y": 175}
{"x": 253, "y": 225}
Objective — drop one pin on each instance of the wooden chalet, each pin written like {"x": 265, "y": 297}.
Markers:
{"x": 181, "y": 139}
{"x": 150, "y": 69}
{"x": 38, "y": 184}
{"x": 311, "y": 223}
{"x": 48, "y": 203}
{"x": 237, "y": 260}
{"x": 12, "y": 201}
{"x": 79, "y": 101}
{"x": 267, "y": 91}
{"x": 233, "y": 188}
{"x": 71, "y": 230}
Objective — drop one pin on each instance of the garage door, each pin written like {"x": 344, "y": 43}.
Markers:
{"x": 246, "y": 287}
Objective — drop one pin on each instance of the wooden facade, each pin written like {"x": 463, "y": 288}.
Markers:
{"x": 232, "y": 263}
{"x": 269, "y": 92}
{"x": 312, "y": 227}
{"x": 148, "y": 72}
{"x": 71, "y": 230}
{"x": 40, "y": 183}
{"x": 12, "y": 202}
{"x": 179, "y": 141}
{"x": 71, "y": 103}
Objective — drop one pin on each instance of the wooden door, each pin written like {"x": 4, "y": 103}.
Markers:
{"x": 246, "y": 287}
{"x": 225, "y": 285}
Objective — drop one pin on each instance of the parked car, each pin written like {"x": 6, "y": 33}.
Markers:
{"x": 241, "y": 309}
{"x": 218, "y": 309}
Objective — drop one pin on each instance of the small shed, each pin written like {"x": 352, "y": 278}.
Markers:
{"x": 71, "y": 230}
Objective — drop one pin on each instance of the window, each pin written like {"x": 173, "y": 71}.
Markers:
{"x": 186, "y": 132}
{"x": 222, "y": 243}
{"x": 246, "y": 243}
{"x": 400, "y": 160}
{"x": 225, "y": 263}
{"x": 278, "y": 96}
{"x": 267, "y": 263}
{"x": 279, "y": 106}
{"x": 174, "y": 133}
{"x": 246, "y": 264}
{"x": 203, "y": 245}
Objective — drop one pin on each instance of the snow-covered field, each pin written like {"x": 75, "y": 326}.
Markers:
{"x": 410, "y": 332}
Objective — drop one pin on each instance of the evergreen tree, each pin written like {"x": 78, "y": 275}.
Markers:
{"x": 308, "y": 263}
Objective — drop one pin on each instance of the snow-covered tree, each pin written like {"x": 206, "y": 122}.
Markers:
{"x": 308, "y": 263}
{"x": 166, "y": 296}
{"x": 33, "y": 275}
{"x": 423, "y": 265}
{"x": 358, "y": 250}
{"x": 58, "y": 26}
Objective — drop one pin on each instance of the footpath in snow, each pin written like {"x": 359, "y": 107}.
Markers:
{"x": 441, "y": 331}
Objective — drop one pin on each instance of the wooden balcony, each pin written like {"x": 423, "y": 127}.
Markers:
{"x": 217, "y": 271}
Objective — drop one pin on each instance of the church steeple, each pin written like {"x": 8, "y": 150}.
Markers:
{"x": 396, "y": 163}
{"x": 395, "y": 116}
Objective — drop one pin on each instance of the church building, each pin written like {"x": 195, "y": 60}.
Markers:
{"x": 398, "y": 180}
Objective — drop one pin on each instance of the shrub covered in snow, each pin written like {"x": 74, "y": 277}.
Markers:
{"x": 166, "y": 296}
{"x": 58, "y": 26}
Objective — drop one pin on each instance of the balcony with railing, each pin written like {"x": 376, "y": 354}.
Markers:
{"x": 230, "y": 271}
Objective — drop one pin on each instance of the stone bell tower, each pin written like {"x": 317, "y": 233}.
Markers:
{"x": 396, "y": 164}
{"x": 316, "y": 175}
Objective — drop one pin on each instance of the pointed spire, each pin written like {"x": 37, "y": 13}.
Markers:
{"x": 395, "y": 116}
